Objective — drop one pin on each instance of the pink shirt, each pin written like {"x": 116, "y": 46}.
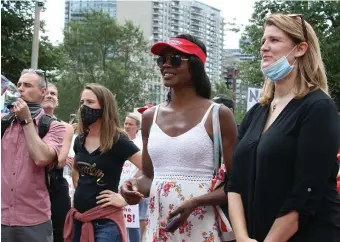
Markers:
{"x": 24, "y": 197}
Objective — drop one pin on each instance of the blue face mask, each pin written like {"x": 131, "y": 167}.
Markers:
{"x": 279, "y": 69}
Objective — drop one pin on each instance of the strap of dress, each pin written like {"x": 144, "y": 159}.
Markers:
{"x": 207, "y": 113}
{"x": 155, "y": 114}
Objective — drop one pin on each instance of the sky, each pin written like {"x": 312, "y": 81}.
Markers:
{"x": 241, "y": 12}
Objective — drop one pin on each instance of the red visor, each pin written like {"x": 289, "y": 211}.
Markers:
{"x": 181, "y": 45}
{"x": 142, "y": 109}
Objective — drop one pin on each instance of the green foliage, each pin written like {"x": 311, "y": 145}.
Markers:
{"x": 220, "y": 89}
{"x": 322, "y": 15}
{"x": 98, "y": 49}
{"x": 17, "y": 20}
{"x": 239, "y": 115}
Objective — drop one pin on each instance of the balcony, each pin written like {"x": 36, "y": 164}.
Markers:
{"x": 199, "y": 13}
{"x": 175, "y": 23}
{"x": 156, "y": 6}
{"x": 156, "y": 30}
{"x": 156, "y": 23}
{"x": 175, "y": 6}
{"x": 196, "y": 17}
{"x": 196, "y": 23}
{"x": 157, "y": 18}
{"x": 198, "y": 30}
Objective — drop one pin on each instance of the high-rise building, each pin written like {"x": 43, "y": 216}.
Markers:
{"x": 159, "y": 20}
{"x": 231, "y": 58}
{"x": 74, "y": 9}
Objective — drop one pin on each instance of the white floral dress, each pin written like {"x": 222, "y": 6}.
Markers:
{"x": 183, "y": 168}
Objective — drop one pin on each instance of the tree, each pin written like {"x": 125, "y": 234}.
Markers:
{"x": 323, "y": 16}
{"x": 17, "y": 21}
{"x": 220, "y": 89}
{"x": 100, "y": 50}
{"x": 239, "y": 115}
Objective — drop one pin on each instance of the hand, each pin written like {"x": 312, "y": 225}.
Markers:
{"x": 184, "y": 209}
{"x": 245, "y": 239}
{"x": 21, "y": 110}
{"x": 110, "y": 198}
{"x": 129, "y": 191}
{"x": 69, "y": 161}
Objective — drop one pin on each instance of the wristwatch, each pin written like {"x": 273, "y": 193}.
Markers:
{"x": 26, "y": 121}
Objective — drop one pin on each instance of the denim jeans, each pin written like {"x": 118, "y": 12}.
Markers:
{"x": 133, "y": 234}
{"x": 104, "y": 231}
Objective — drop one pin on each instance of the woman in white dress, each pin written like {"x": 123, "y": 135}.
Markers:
{"x": 178, "y": 148}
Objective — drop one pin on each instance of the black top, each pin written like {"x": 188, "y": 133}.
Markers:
{"x": 99, "y": 171}
{"x": 292, "y": 166}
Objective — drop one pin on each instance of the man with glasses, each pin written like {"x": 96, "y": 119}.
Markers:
{"x": 25, "y": 203}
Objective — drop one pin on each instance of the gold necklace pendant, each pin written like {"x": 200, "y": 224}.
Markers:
{"x": 273, "y": 107}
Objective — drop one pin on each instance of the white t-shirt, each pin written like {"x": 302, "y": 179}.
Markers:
{"x": 129, "y": 169}
{"x": 71, "y": 151}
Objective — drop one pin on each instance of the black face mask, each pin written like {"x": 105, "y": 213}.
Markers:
{"x": 35, "y": 108}
{"x": 90, "y": 115}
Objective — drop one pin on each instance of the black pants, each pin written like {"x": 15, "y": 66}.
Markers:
{"x": 60, "y": 205}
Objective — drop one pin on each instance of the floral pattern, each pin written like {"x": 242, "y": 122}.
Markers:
{"x": 165, "y": 196}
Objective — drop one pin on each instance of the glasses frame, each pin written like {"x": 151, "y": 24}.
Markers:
{"x": 167, "y": 57}
{"x": 39, "y": 72}
{"x": 303, "y": 23}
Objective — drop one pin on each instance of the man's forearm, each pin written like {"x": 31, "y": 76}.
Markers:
{"x": 215, "y": 197}
{"x": 40, "y": 153}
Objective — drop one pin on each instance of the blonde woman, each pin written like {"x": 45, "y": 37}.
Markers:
{"x": 101, "y": 148}
{"x": 283, "y": 185}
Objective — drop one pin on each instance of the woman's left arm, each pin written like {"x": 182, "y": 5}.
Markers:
{"x": 316, "y": 160}
{"x": 136, "y": 159}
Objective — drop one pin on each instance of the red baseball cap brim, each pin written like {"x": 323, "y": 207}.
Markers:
{"x": 182, "y": 45}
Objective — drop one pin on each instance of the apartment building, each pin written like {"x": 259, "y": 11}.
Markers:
{"x": 160, "y": 20}
{"x": 230, "y": 59}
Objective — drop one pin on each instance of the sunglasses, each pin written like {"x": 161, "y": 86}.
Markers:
{"x": 303, "y": 23}
{"x": 175, "y": 60}
{"x": 39, "y": 72}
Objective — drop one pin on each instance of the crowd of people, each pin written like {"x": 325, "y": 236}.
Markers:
{"x": 75, "y": 181}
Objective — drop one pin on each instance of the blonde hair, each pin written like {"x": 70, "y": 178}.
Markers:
{"x": 134, "y": 117}
{"x": 311, "y": 70}
{"x": 110, "y": 126}
{"x": 51, "y": 85}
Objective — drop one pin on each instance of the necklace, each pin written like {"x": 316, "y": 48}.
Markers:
{"x": 274, "y": 104}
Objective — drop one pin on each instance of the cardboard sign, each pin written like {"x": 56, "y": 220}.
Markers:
{"x": 128, "y": 172}
{"x": 131, "y": 214}
{"x": 253, "y": 97}
{"x": 70, "y": 187}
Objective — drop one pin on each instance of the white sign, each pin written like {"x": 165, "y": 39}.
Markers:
{"x": 253, "y": 96}
{"x": 71, "y": 188}
{"x": 128, "y": 172}
{"x": 131, "y": 214}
